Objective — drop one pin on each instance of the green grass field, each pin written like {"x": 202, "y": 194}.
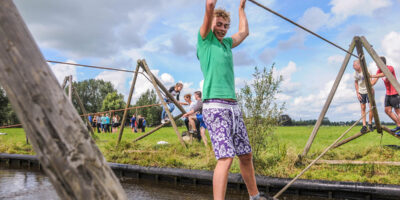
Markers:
{"x": 278, "y": 159}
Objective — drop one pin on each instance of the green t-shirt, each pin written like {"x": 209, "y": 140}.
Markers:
{"x": 217, "y": 66}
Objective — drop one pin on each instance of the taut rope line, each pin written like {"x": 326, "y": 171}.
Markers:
{"x": 302, "y": 27}
{"x": 322, "y": 154}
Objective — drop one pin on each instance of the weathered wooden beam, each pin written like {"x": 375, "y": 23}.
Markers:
{"x": 67, "y": 153}
{"x": 390, "y": 132}
{"x": 64, "y": 82}
{"x": 380, "y": 64}
{"x": 171, "y": 118}
{"x": 368, "y": 85}
{"x": 357, "y": 162}
{"x": 128, "y": 103}
{"x": 156, "y": 129}
{"x": 70, "y": 88}
{"x": 85, "y": 116}
{"x": 165, "y": 90}
{"x": 346, "y": 140}
{"x": 328, "y": 100}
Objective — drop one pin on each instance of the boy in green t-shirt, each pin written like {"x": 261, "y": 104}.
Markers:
{"x": 221, "y": 112}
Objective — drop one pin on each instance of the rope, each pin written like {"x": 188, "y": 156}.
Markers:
{"x": 99, "y": 67}
{"x": 313, "y": 162}
{"x": 302, "y": 27}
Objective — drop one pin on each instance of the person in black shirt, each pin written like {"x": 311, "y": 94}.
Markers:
{"x": 174, "y": 91}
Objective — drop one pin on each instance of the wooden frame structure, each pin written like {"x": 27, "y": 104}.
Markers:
{"x": 64, "y": 147}
{"x": 72, "y": 91}
{"x": 359, "y": 43}
{"x": 158, "y": 86}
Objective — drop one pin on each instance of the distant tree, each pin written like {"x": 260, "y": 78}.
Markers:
{"x": 113, "y": 101}
{"x": 92, "y": 93}
{"x": 7, "y": 114}
{"x": 152, "y": 114}
{"x": 285, "y": 120}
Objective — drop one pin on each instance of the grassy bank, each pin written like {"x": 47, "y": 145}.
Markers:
{"x": 279, "y": 157}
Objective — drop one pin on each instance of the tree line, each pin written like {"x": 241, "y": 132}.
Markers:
{"x": 96, "y": 96}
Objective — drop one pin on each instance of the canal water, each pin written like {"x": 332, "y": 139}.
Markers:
{"x": 34, "y": 185}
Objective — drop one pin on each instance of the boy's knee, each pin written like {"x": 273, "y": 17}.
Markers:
{"x": 246, "y": 158}
{"x": 225, "y": 162}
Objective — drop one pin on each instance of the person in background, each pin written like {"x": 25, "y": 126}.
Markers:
{"x": 144, "y": 125}
{"x": 103, "y": 123}
{"x": 188, "y": 99}
{"x": 196, "y": 116}
{"x": 174, "y": 91}
{"x": 98, "y": 123}
{"x": 362, "y": 95}
{"x": 115, "y": 123}
{"x": 107, "y": 122}
{"x": 90, "y": 118}
{"x": 392, "y": 98}
{"x": 140, "y": 123}
{"x": 133, "y": 124}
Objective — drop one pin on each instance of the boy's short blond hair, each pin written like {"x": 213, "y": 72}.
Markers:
{"x": 219, "y": 12}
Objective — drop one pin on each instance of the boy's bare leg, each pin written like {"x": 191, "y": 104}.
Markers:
{"x": 203, "y": 135}
{"x": 247, "y": 171}
{"x": 220, "y": 178}
{"x": 363, "y": 114}
{"x": 394, "y": 117}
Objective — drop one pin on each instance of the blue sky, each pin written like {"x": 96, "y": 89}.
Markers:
{"x": 117, "y": 33}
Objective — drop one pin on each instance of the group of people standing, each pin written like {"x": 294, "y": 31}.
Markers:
{"x": 104, "y": 123}
{"x": 138, "y": 124}
{"x": 392, "y": 98}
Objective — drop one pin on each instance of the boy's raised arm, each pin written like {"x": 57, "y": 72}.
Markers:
{"x": 243, "y": 26}
{"x": 208, "y": 17}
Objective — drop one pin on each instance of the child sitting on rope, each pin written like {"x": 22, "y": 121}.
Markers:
{"x": 392, "y": 98}
{"x": 362, "y": 95}
{"x": 175, "y": 91}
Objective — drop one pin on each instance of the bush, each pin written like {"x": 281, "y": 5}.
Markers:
{"x": 260, "y": 111}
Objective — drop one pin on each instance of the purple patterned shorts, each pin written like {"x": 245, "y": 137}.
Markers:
{"x": 225, "y": 124}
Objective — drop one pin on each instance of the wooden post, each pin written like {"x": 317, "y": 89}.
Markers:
{"x": 368, "y": 85}
{"x": 328, "y": 100}
{"x": 67, "y": 153}
{"x": 344, "y": 141}
{"x": 121, "y": 131}
{"x": 380, "y": 64}
{"x": 156, "y": 129}
{"x": 390, "y": 132}
{"x": 70, "y": 88}
{"x": 165, "y": 90}
{"x": 64, "y": 82}
{"x": 147, "y": 70}
{"x": 85, "y": 116}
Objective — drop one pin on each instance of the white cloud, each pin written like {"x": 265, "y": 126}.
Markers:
{"x": 61, "y": 71}
{"x": 167, "y": 79}
{"x": 287, "y": 85}
{"x": 342, "y": 9}
{"x": 335, "y": 59}
{"x": 118, "y": 79}
{"x": 391, "y": 48}
{"x": 314, "y": 18}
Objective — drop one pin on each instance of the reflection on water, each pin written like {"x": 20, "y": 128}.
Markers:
{"x": 21, "y": 184}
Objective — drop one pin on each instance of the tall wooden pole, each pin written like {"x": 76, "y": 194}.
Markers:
{"x": 128, "y": 103}
{"x": 85, "y": 115}
{"x": 67, "y": 153}
{"x": 143, "y": 64}
{"x": 64, "y": 82}
{"x": 70, "y": 88}
{"x": 366, "y": 75}
{"x": 381, "y": 65}
{"x": 328, "y": 100}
